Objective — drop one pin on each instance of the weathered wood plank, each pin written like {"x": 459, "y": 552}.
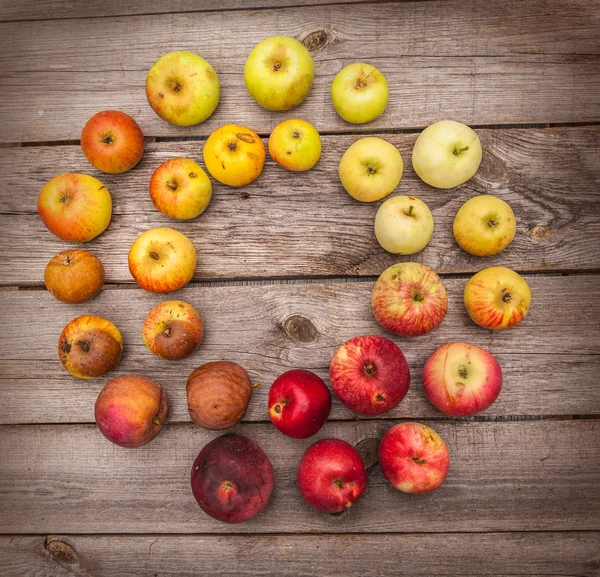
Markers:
{"x": 449, "y": 59}
{"x": 289, "y": 224}
{"x": 550, "y": 362}
{"x": 495, "y": 554}
{"x": 516, "y": 476}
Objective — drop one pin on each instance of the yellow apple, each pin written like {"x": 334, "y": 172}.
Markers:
{"x": 484, "y": 225}
{"x": 497, "y": 298}
{"x": 295, "y": 144}
{"x": 370, "y": 169}
{"x": 446, "y": 154}
{"x": 279, "y": 73}
{"x": 359, "y": 93}
{"x": 403, "y": 225}
{"x": 182, "y": 88}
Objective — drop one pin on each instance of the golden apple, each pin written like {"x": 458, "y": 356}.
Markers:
{"x": 74, "y": 276}
{"x": 497, "y": 298}
{"x": 295, "y": 144}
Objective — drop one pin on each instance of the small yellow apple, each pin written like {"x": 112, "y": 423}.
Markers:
{"x": 295, "y": 144}
{"x": 446, "y": 154}
{"x": 370, "y": 169}
{"x": 484, "y": 225}
{"x": 403, "y": 225}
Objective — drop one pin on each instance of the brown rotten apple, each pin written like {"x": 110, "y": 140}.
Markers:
{"x": 409, "y": 299}
{"x": 218, "y": 394}
{"x": 74, "y": 276}
{"x": 89, "y": 347}
{"x": 172, "y": 330}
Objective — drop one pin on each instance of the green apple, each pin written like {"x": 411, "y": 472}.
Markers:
{"x": 484, "y": 225}
{"x": 279, "y": 73}
{"x": 446, "y": 154}
{"x": 359, "y": 93}
{"x": 295, "y": 144}
{"x": 182, "y": 88}
{"x": 403, "y": 225}
{"x": 370, "y": 169}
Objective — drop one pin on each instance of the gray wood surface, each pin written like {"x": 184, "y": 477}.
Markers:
{"x": 550, "y": 362}
{"x": 479, "y": 62}
{"x": 290, "y": 224}
{"x": 524, "y": 475}
{"x": 422, "y": 555}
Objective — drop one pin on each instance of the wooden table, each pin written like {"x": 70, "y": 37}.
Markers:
{"x": 284, "y": 275}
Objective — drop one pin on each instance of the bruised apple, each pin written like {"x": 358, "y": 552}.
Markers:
{"x": 131, "y": 410}
{"x": 74, "y": 276}
{"x": 218, "y": 394}
{"x": 295, "y": 144}
{"x": 89, "y": 347}
{"x": 232, "y": 479}
{"x": 172, "y": 330}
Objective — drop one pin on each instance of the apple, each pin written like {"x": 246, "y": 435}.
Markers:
{"x": 74, "y": 276}
{"x": 359, "y": 93}
{"x": 112, "y": 141}
{"x": 75, "y": 207}
{"x": 172, "y": 330}
{"x": 484, "y": 225}
{"x": 295, "y": 144}
{"x": 403, "y": 225}
{"x": 89, "y": 347}
{"x": 179, "y": 188}
{"x": 182, "y": 88}
{"x": 331, "y": 476}
{"x": 131, "y": 410}
{"x": 409, "y": 299}
{"x": 460, "y": 379}
{"x": 370, "y": 169}
{"x": 279, "y": 73}
{"x": 218, "y": 394}
{"x": 234, "y": 155}
{"x": 299, "y": 403}
{"x": 414, "y": 458}
{"x": 162, "y": 260}
{"x": 446, "y": 154}
{"x": 232, "y": 479}
{"x": 497, "y": 298}
{"x": 369, "y": 374}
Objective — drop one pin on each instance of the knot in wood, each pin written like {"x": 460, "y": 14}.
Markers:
{"x": 367, "y": 449}
{"x": 539, "y": 233}
{"x": 300, "y": 329}
{"x": 60, "y": 551}
{"x": 315, "y": 40}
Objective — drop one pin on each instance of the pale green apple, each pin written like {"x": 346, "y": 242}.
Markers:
{"x": 370, "y": 169}
{"x": 359, "y": 93}
{"x": 403, "y": 225}
{"x": 446, "y": 154}
{"x": 182, "y": 88}
{"x": 484, "y": 225}
{"x": 279, "y": 73}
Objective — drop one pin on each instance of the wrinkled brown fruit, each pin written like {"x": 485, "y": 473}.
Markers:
{"x": 74, "y": 276}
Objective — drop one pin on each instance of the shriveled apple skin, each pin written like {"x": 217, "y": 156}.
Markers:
{"x": 218, "y": 394}
{"x": 130, "y": 410}
{"x": 74, "y": 276}
{"x": 232, "y": 479}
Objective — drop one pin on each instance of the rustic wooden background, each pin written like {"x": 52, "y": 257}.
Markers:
{"x": 285, "y": 270}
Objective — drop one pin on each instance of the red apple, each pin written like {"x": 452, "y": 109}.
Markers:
{"x": 232, "y": 479}
{"x": 461, "y": 379}
{"x": 331, "y": 476}
{"x": 369, "y": 374}
{"x": 409, "y": 299}
{"x": 299, "y": 403}
{"x": 131, "y": 410}
{"x": 413, "y": 458}
{"x": 112, "y": 141}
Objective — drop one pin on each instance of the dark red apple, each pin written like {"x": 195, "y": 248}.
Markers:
{"x": 331, "y": 476}
{"x": 299, "y": 403}
{"x": 232, "y": 478}
{"x": 369, "y": 374}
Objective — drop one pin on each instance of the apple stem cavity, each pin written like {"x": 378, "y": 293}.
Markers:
{"x": 506, "y": 297}
{"x": 167, "y": 332}
{"x": 339, "y": 484}
{"x": 154, "y": 255}
{"x": 419, "y": 461}
{"x": 108, "y": 139}
{"x": 370, "y": 370}
{"x": 175, "y": 86}
{"x": 462, "y": 372}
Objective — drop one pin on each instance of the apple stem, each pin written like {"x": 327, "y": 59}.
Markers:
{"x": 457, "y": 151}
{"x": 257, "y": 384}
{"x": 410, "y": 210}
{"x": 172, "y": 184}
{"x": 154, "y": 255}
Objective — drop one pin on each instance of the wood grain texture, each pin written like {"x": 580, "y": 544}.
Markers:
{"x": 467, "y": 61}
{"x": 423, "y": 555}
{"x": 527, "y": 475}
{"x": 290, "y": 224}
{"x": 550, "y": 361}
